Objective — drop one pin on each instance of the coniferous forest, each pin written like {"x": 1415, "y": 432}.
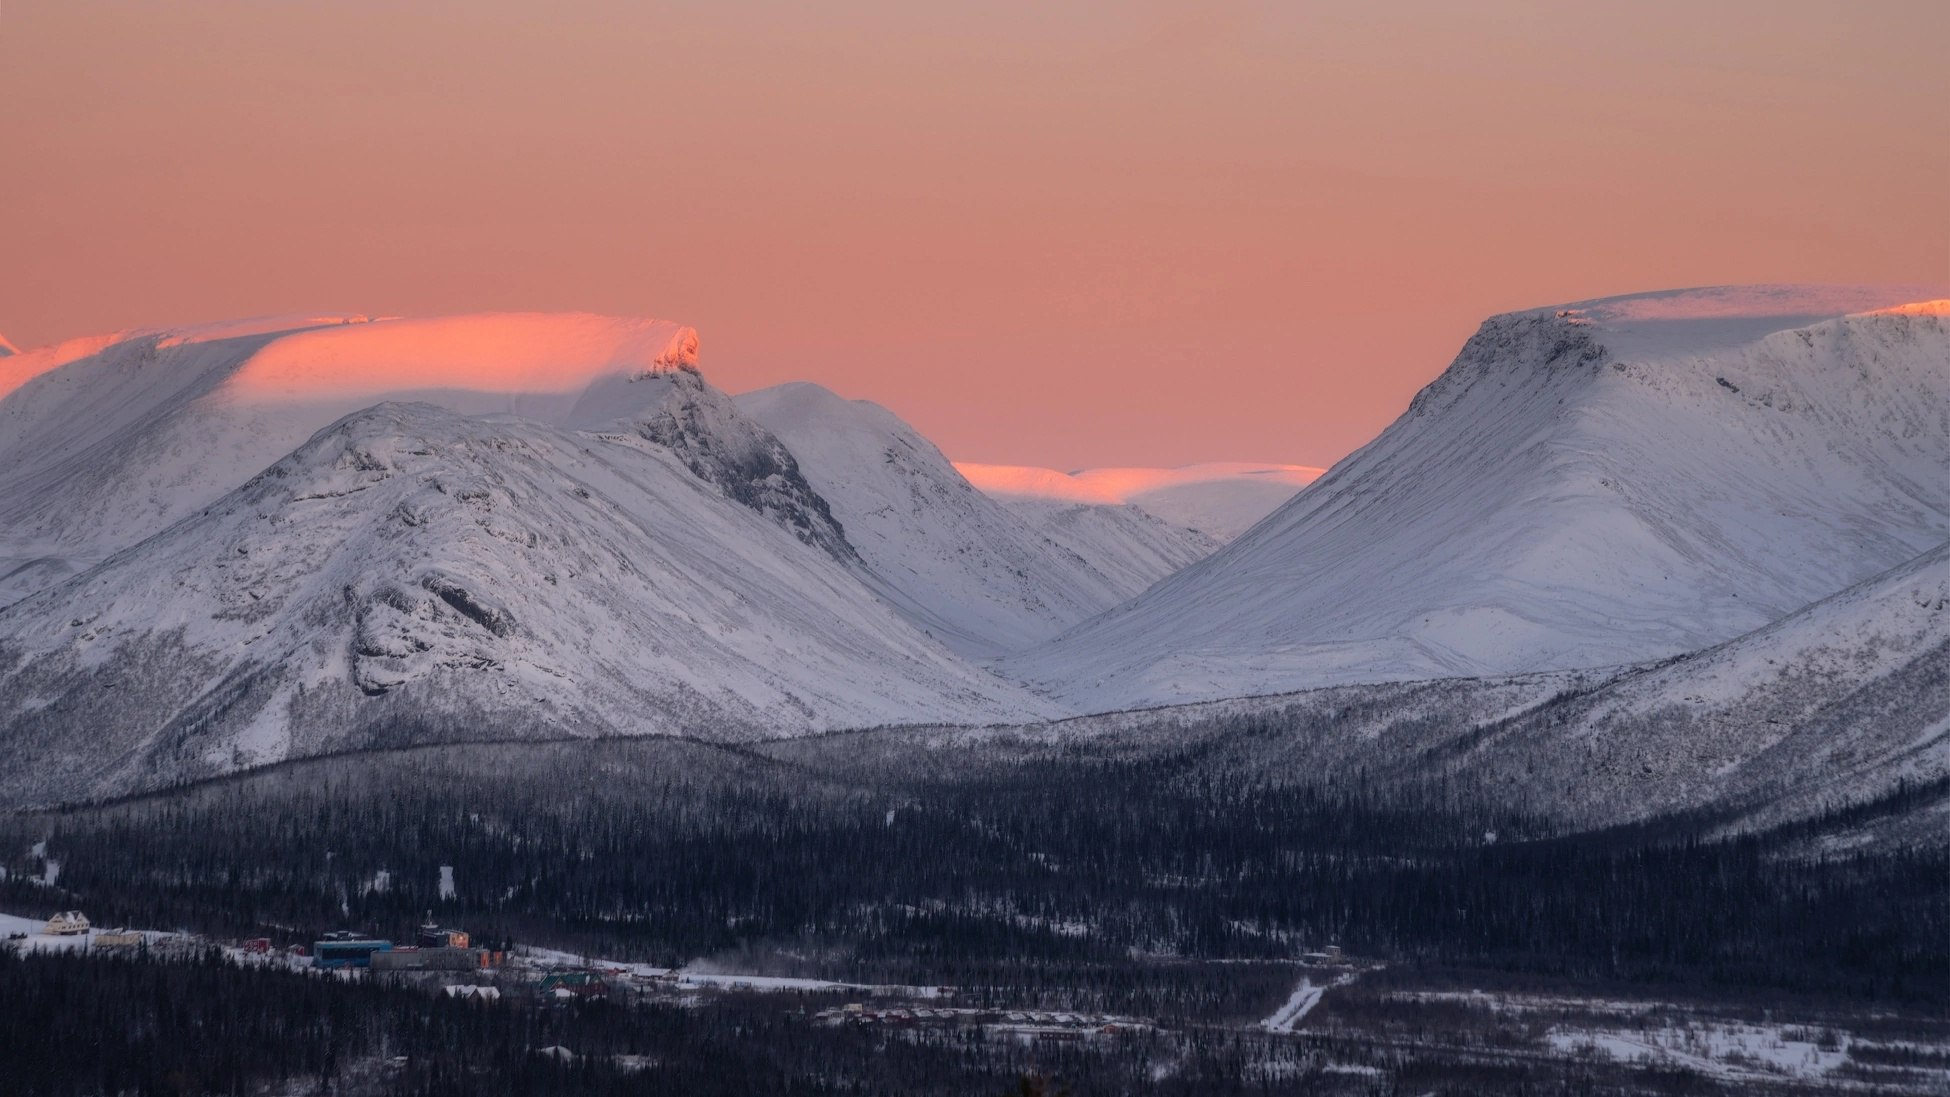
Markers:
{"x": 1159, "y": 886}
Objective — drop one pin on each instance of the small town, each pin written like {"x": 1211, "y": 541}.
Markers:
{"x": 459, "y": 966}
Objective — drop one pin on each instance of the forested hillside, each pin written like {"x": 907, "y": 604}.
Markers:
{"x": 992, "y": 872}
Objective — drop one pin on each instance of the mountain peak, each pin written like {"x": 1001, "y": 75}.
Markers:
{"x": 1592, "y": 484}
{"x": 109, "y": 439}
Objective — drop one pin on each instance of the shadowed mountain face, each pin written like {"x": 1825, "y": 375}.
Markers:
{"x": 1595, "y": 485}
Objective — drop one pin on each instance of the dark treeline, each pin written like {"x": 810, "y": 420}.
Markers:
{"x": 1020, "y": 876}
{"x": 72, "y": 1026}
{"x": 77, "y": 1027}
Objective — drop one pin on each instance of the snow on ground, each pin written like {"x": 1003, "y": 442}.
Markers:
{"x": 37, "y": 939}
{"x": 716, "y": 980}
{"x": 1658, "y": 1033}
{"x": 1726, "y": 1051}
{"x": 557, "y": 958}
{"x": 11, "y": 924}
{"x": 1301, "y": 1002}
{"x": 774, "y": 983}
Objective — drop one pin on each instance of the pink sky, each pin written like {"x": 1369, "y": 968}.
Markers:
{"x": 1053, "y": 234}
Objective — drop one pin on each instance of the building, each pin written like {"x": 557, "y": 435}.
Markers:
{"x": 574, "y": 984}
{"x": 416, "y": 958}
{"x": 68, "y": 923}
{"x": 117, "y": 939}
{"x": 432, "y": 936}
{"x": 339, "y": 950}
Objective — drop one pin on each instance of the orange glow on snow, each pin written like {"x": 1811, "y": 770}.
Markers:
{"x": 1034, "y": 483}
{"x": 1919, "y": 308}
{"x": 495, "y": 352}
{"x": 20, "y": 368}
{"x": 1744, "y": 302}
{"x": 1122, "y": 485}
{"x": 244, "y": 329}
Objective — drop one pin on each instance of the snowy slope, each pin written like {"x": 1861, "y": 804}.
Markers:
{"x": 1219, "y": 499}
{"x": 1593, "y": 485}
{"x": 1134, "y": 547}
{"x": 958, "y": 564}
{"x": 7, "y": 349}
{"x": 1831, "y": 705}
{"x": 106, "y": 440}
{"x": 410, "y": 574}
{"x": 1836, "y": 705}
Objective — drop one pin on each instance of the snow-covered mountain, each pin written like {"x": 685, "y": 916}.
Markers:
{"x": 957, "y": 563}
{"x": 486, "y": 527}
{"x": 106, "y": 440}
{"x": 7, "y": 349}
{"x": 1597, "y": 484}
{"x": 1219, "y": 500}
{"x": 411, "y": 575}
{"x": 271, "y": 539}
